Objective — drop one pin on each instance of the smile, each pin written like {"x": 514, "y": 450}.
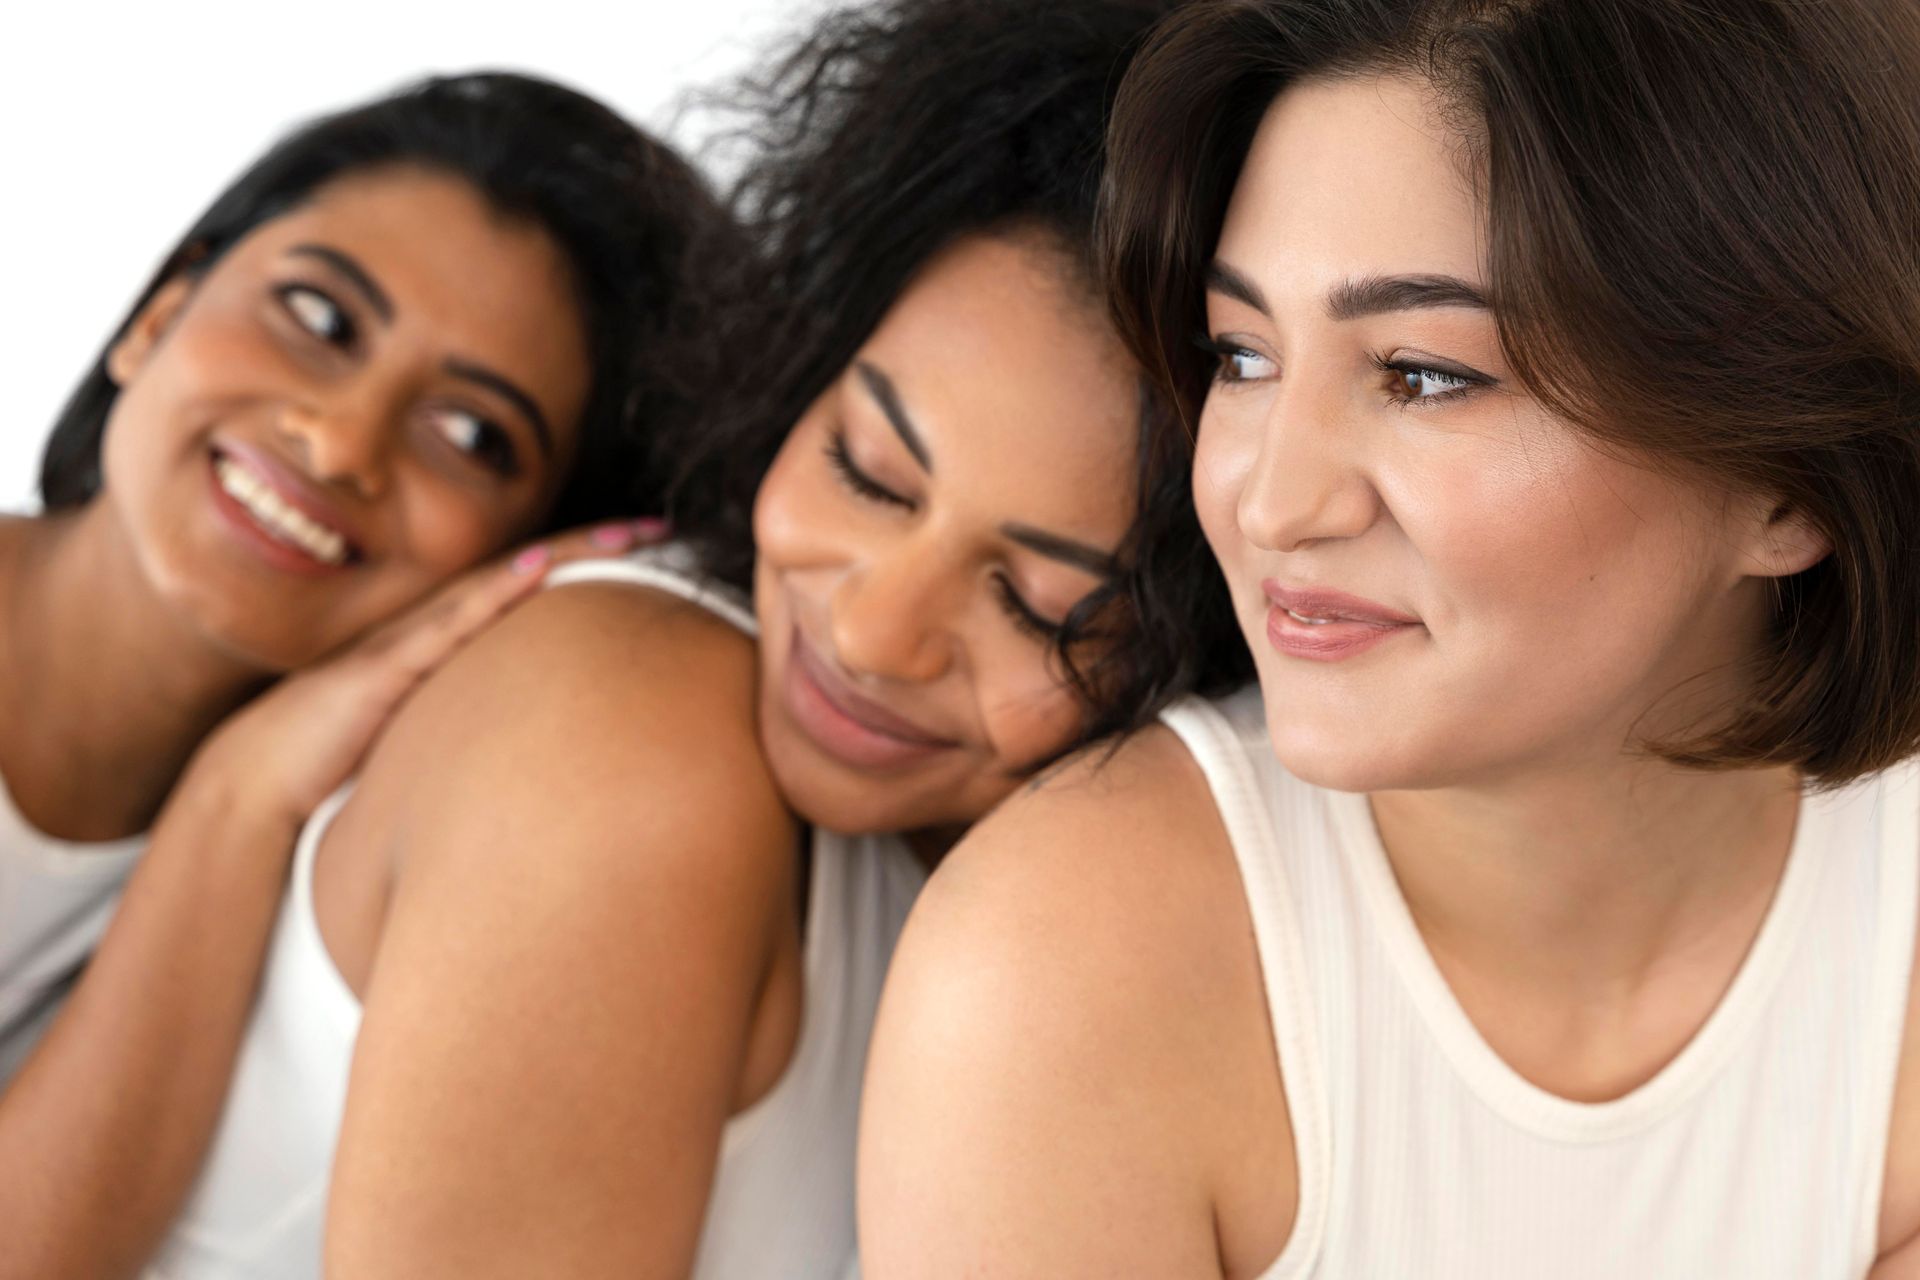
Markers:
{"x": 843, "y": 723}
{"x": 276, "y": 517}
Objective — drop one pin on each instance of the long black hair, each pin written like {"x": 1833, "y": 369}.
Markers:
{"x": 885, "y": 134}
{"x": 638, "y": 226}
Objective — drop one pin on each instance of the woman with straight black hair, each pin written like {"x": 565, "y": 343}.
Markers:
{"x": 1549, "y": 908}
{"x": 409, "y": 336}
{"x": 591, "y": 996}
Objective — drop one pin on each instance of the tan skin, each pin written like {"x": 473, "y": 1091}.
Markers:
{"x": 665, "y": 887}
{"x": 1074, "y": 1072}
{"x": 131, "y": 625}
{"x": 383, "y": 350}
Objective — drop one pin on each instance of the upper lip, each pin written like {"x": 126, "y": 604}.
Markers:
{"x": 868, "y": 713}
{"x": 292, "y": 488}
{"x": 1317, "y": 602}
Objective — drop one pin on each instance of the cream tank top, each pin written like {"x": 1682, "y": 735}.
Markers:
{"x": 1756, "y": 1153}
{"x": 56, "y": 897}
{"x": 782, "y": 1201}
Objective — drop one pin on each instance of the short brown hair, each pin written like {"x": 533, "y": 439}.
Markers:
{"x": 1704, "y": 231}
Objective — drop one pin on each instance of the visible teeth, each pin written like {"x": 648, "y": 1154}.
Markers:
{"x": 279, "y": 519}
{"x": 1312, "y": 622}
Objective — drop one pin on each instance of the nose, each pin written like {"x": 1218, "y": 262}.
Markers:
{"x": 1307, "y": 483}
{"x": 886, "y": 617}
{"x": 343, "y": 440}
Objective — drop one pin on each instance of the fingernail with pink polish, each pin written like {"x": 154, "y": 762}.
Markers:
{"x": 532, "y": 558}
{"x": 652, "y": 528}
{"x": 613, "y": 537}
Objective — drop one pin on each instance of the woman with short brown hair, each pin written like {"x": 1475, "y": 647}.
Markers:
{"x": 1549, "y": 908}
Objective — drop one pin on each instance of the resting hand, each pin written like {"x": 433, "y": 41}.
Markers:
{"x": 292, "y": 747}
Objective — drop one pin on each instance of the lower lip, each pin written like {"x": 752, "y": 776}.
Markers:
{"x": 281, "y": 555}
{"x": 838, "y": 734}
{"x": 1328, "y": 641}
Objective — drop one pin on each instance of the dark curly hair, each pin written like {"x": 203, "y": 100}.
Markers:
{"x": 885, "y": 134}
{"x": 638, "y": 225}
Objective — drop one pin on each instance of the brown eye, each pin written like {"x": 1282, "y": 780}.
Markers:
{"x": 318, "y": 314}
{"x": 484, "y": 441}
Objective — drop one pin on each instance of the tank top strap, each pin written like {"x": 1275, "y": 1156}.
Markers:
{"x": 1228, "y": 741}
{"x": 672, "y": 568}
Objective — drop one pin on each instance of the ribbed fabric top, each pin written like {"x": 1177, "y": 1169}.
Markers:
{"x": 782, "y": 1200}
{"x": 1756, "y": 1152}
{"x": 56, "y": 897}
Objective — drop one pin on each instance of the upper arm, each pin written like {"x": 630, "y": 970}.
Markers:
{"x": 591, "y": 872}
{"x": 1044, "y": 1096}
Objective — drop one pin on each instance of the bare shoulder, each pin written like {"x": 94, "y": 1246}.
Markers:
{"x": 1073, "y": 1040}
{"x": 580, "y": 846}
{"x": 595, "y": 727}
{"x": 593, "y": 702}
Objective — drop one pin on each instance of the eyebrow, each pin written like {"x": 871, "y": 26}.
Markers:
{"x": 506, "y": 390}
{"x": 1066, "y": 550}
{"x": 1352, "y": 299}
{"x": 354, "y": 273}
{"x": 881, "y": 388}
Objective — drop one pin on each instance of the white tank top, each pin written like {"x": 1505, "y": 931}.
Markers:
{"x": 1756, "y": 1153}
{"x": 782, "y": 1201}
{"x": 56, "y": 897}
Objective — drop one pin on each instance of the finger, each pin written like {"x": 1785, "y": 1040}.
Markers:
{"x": 609, "y": 539}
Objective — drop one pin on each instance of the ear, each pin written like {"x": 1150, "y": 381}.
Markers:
{"x": 130, "y": 351}
{"x": 1785, "y": 542}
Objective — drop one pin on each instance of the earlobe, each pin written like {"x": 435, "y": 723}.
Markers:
{"x": 130, "y": 351}
{"x": 1788, "y": 543}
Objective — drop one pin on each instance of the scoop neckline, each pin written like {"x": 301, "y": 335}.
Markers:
{"x": 1519, "y": 1100}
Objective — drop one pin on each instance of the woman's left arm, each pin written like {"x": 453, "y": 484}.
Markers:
{"x": 590, "y": 868}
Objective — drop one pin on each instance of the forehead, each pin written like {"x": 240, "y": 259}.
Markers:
{"x": 1353, "y": 176}
{"x": 488, "y": 283}
{"x": 1026, "y": 399}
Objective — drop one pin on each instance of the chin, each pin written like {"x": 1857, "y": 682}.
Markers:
{"x": 1348, "y": 756}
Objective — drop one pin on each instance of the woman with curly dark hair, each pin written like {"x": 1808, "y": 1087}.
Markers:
{"x": 601, "y": 928}
{"x": 1548, "y": 908}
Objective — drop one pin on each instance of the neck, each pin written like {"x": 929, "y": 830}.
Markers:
{"x": 1590, "y": 881}
{"x": 113, "y": 686}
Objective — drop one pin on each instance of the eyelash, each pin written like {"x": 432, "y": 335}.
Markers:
{"x": 1018, "y": 611}
{"x": 1024, "y": 619}
{"x": 857, "y": 480}
{"x": 1400, "y": 370}
{"x": 1224, "y": 353}
{"x": 494, "y": 448}
{"x": 343, "y": 340}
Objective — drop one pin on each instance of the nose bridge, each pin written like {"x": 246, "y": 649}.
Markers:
{"x": 1308, "y": 480}
{"x": 890, "y": 612}
{"x": 348, "y": 430}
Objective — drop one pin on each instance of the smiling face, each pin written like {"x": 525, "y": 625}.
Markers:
{"x": 1441, "y": 582}
{"x": 359, "y": 399}
{"x": 926, "y": 526}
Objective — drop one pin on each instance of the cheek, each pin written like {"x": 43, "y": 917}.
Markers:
{"x": 448, "y": 528}
{"x": 1029, "y": 712}
{"x": 1223, "y": 456}
{"x": 799, "y": 509}
{"x": 1556, "y": 566}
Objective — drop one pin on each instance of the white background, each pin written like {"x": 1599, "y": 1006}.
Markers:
{"x": 119, "y": 123}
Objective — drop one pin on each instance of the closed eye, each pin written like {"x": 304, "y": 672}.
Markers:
{"x": 1022, "y": 614}
{"x": 858, "y": 481}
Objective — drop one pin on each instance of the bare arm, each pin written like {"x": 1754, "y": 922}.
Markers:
{"x": 584, "y": 914}
{"x": 104, "y": 1128}
{"x": 1060, "y": 1059}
